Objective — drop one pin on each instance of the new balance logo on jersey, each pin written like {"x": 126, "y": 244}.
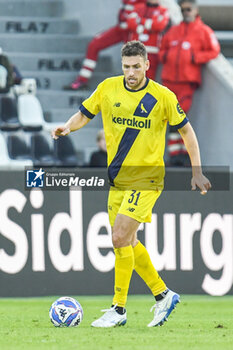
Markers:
{"x": 130, "y": 209}
{"x": 133, "y": 122}
{"x": 143, "y": 108}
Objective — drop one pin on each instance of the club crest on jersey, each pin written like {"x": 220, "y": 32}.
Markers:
{"x": 145, "y": 106}
{"x": 143, "y": 109}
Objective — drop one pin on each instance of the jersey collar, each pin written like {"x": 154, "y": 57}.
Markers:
{"x": 147, "y": 81}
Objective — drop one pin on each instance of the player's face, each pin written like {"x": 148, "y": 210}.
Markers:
{"x": 134, "y": 69}
{"x": 189, "y": 11}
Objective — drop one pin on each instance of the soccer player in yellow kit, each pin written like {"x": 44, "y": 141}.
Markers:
{"x": 135, "y": 112}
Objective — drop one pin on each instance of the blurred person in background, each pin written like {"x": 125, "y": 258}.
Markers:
{"x": 147, "y": 24}
{"x": 185, "y": 48}
{"x": 99, "y": 158}
{"x": 6, "y": 73}
{"x": 118, "y": 33}
{"x": 9, "y": 73}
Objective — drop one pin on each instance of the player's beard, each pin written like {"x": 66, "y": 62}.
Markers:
{"x": 135, "y": 83}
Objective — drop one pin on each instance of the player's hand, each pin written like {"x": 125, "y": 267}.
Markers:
{"x": 60, "y": 131}
{"x": 202, "y": 182}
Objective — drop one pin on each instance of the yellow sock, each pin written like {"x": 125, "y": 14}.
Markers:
{"x": 124, "y": 266}
{"x": 145, "y": 269}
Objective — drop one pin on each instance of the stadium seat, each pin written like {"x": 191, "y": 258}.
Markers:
{"x": 30, "y": 113}
{"x": 8, "y": 114}
{"x": 31, "y": 116}
{"x": 41, "y": 151}
{"x": 6, "y": 163}
{"x": 17, "y": 147}
{"x": 4, "y": 158}
{"x": 65, "y": 152}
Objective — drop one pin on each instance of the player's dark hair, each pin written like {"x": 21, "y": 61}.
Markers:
{"x": 193, "y": 2}
{"x": 134, "y": 48}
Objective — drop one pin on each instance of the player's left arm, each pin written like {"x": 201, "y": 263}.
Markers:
{"x": 190, "y": 140}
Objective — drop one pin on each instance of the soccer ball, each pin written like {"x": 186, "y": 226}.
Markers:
{"x": 66, "y": 312}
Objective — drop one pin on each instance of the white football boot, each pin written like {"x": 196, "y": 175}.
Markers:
{"x": 163, "y": 308}
{"x": 110, "y": 318}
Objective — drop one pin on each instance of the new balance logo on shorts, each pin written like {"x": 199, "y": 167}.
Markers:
{"x": 130, "y": 209}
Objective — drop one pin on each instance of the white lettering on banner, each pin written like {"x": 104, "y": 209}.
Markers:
{"x": 72, "y": 223}
{"x": 215, "y": 262}
{"x": 13, "y": 201}
{"x": 37, "y": 228}
{"x": 189, "y": 224}
{"x": 167, "y": 259}
{"x": 13, "y": 263}
{"x": 95, "y": 241}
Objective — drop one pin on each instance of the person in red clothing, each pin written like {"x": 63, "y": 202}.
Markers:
{"x": 101, "y": 41}
{"x": 147, "y": 24}
{"x": 184, "y": 49}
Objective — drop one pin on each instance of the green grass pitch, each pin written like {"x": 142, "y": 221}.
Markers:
{"x": 198, "y": 323}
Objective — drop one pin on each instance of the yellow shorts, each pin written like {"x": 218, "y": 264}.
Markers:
{"x": 136, "y": 204}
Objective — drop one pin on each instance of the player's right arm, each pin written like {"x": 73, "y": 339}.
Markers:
{"x": 76, "y": 122}
{"x": 88, "y": 110}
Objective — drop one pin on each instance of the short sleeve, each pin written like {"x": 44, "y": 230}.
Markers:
{"x": 91, "y": 106}
{"x": 175, "y": 114}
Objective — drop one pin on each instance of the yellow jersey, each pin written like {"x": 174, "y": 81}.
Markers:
{"x": 135, "y": 124}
